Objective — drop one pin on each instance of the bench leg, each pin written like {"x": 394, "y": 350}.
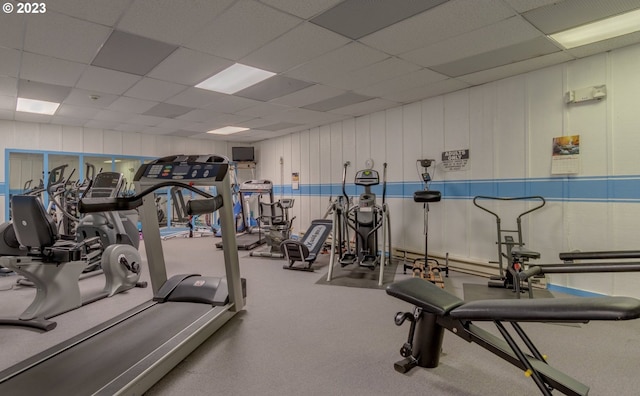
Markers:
{"x": 424, "y": 344}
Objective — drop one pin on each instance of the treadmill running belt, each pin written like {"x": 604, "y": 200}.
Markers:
{"x": 81, "y": 369}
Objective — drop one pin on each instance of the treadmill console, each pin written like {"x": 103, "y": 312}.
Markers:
{"x": 106, "y": 184}
{"x": 185, "y": 168}
{"x": 367, "y": 177}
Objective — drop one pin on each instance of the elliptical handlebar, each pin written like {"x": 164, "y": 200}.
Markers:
{"x": 384, "y": 183}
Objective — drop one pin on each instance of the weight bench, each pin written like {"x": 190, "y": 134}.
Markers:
{"x": 308, "y": 249}
{"x": 436, "y": 310}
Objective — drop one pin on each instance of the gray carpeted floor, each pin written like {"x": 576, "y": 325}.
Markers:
{"x": 297, "y": 337}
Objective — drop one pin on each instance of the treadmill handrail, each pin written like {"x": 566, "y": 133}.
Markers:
{"x": 92, "y": 205}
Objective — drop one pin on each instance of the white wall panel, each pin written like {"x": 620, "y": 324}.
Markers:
{"x": 378, "y": 137}
{"x": 148, "y": 147}
{"x": 132, "y": 144}
{"x": 411, "y": 227}
{"x": 305, "y": 178}
{"x": 482, "y": 114}
{"x": 337, "y": 153}
{"x": 92, "y": 141}
{"x": 349, "y": 147}
{"x": 363, "y": 143}
{"x": 50, "y": 137}
{"x": 510, "y": 149}
{"x": 72, "y": 139}
{"x": 395, "y": 143}
{"x": 112, "y": 142}
{"x": 26, "y": 136}
{"x": 325, "y": 163}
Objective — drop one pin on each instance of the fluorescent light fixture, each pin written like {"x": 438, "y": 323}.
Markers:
{"x": 234, "y": 78}
{"x": 228, "y": 130}
{"x": 604, "y": 29}
{"x": 36, "y": 106}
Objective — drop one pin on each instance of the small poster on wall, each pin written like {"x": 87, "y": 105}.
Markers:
{"x": 295, "y": 180}
{"x": 455, "y": 160}
{"x": 565, "y": 157}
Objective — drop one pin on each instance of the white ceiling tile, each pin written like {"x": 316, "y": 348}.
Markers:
{"x": 109, "y": 115}
{"x": 8, "y": 86}
{"x": 342, "y": 60}
{"x": 7, "y": 102}
{"x": 32, "y": 117}
{"x": 129, "y": 128}
{"x": 245, "y": 27}
{"x": 488, "y": 38}
{"x": 223, "y": 119}
{"x": 74, "y": 111}
{"x": 7, "y": 115}
{"x": 232, "y": 104}
{"x": 68, "y": 121}
{"x": 169, "y": 20}
{"x": 11, "y": 31}
{"x": 263, "y": 109}
{"x": 146, "y": 120}
{"x": 389, "y": 68}
{"x": 526, "y": 5}
{"x": 104, "y": 80}
{"x": 303, "y": 9}
{"x": 177, "y": 124}
{"x": 402, "y": 83}
{"x": 75, "y": 40}
{"x": 81, "y": 97}
{"x": 99, "y": 11}
{"x": 426, "y": 91}
{"x": 312, "y": 94}
{"x": 304, "y": 116}
{"x": 606, "y": 45}
{"x": 195, "y": 97}
{"x": 154, "y": 130}
{"x": 131, "y": 105}
{"x": 188, "y": 67}
{"x": 198, "y": 115}
{"x": 444, "y": 21}
{"x": 152, "y": 89}
{"x": 299, "y": 45}
{"x": 9, "y": 62}
{"x": 50, "y": 70}
{"x": 515, "y": 68}
{"x": 370, "y": 106}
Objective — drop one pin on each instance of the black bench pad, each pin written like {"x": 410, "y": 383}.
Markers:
{"x": 425, "y": 295}
{"x": 551, "y": 309}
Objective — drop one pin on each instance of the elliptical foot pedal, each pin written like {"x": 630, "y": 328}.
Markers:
{"x": 347, "y": 259}
{"x": 369, "y": 261}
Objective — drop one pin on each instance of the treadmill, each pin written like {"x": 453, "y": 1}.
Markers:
{"x": 131, "y": 352}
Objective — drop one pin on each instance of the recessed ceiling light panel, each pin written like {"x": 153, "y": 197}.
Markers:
{"x": 235, "y": 78}
{"x": 604, "y": 29}
{"x": 36, "y": 106}
{"x": 228, "y": 130}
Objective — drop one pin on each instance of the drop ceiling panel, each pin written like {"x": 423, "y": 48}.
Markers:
{"x": 8, "y": 86}
{"x": 7, "y": 103}
{"x": 128, "y": 128}
{"x": 104, "y": 80}
{"x": 32, "y": 117}
{"x": 67, "y": 121}
{"x": 195, "y": 97}
{"x": 370, "y": 106}
{"x": 570, "y": 13}
{"x": 198, "y": 115}
{"x": 381, "y": 71}
{"x": 131, "y": 53}
{"x": 312, "y": 94}
{"x": 83, "y": 97}
{"x": 186, "y": 133}
{"x": 402, "y": 83}
{"x": 526, "y": 5}
{"x": 231, "y": 104}
{"x": 427, "y": 91}
{"x": 9, "y": 62}
{"x": 444, "y": 21}
{"x": 278, "y": 126}
{"x": 515, "y": 68}
{"x": 42, "y": 91}
{"x": 272, "y": 88}
{"x": 302, "y": 9}
{"x": 110, "y": 115}
{"x": 262, "y": 110}
{"x": 50, "y": 70}
{"x": 189, "y": 67}
{"x": 358, "y": 18}
{"x": 345, "y": 99}
{"x": 152, "y": 89}
{"x": 145, "y": 120}
{"x": 98, "y": 124}
{"x": 12, "y": 31}
{"x": 343, "y": 60}
{"x": 299, "y": 45}
{"x": 73, "y": 111}
{"x": 167, "y": 110}
{"x": 99, "y": 11}
{"x": 131, "y": 105}
{"x": 76, "y": 40}
{"x": 169, "y": 20}
{"x": 305, "y": 116}
{"x": 503, "y": 56}
{"x": 498, "y": 35}
{"x": 606, "y": 45}
{"x": 245, "y": 27}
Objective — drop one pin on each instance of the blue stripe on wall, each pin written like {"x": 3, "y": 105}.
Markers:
{"x": 568, "y": 189}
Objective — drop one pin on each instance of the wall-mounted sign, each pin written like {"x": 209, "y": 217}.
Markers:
{"x": 455, "y": 160}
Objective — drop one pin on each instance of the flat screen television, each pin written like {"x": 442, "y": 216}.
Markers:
{"x": 241, "y": 154}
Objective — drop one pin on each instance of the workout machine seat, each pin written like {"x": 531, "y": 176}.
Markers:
{"x": 437, "y": 310}
{"x": 427, "y": 196}
{"x": 308, "y": 249}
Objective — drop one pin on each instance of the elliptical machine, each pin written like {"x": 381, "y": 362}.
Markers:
{"x": 365, "y": 220}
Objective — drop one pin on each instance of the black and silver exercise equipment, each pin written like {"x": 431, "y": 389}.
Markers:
{"x": 508, "y": 277}
{"x": 307, "y": 250}
{"x": 54, "y": 265}
{"x": 275, "y": 221}
{"x": 436, "y": 310}
{"x": 365, "y": 220}
{"x": 422, "y": 267}
{"x": 251, "y": 239}
{"x": 570, "y": 266}
{"x": 129, "y": 353}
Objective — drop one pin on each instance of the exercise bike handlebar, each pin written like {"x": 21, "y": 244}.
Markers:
{"x": 527, "y": 198}
{"x": 92, "y": 205}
